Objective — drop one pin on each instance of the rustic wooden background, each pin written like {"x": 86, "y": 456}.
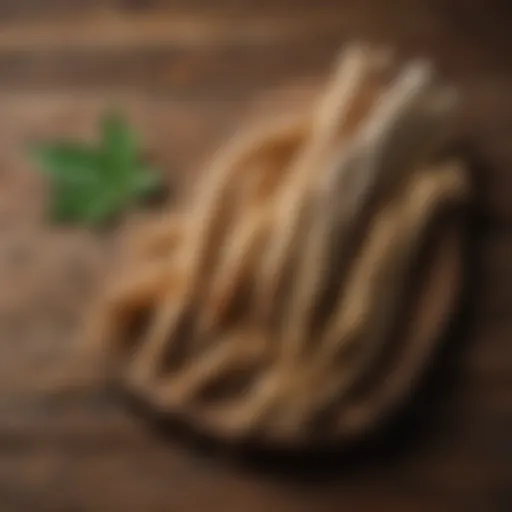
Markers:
{"x": 188, "y": 71}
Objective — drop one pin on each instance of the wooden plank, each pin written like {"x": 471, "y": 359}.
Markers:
{"x": 14, "y": 10}
{"x": 102, "y": 49}
{"x": 157, "y": 29}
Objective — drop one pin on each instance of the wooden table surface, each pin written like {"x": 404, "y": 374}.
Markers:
{"x": 188, "y": 71}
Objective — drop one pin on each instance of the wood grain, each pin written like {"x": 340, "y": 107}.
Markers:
{"x": 188, "y": 72}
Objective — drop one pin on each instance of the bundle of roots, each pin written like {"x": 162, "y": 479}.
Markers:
{"x": 298, "y": 294}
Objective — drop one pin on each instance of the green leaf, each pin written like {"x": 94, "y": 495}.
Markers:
{"x": 119, "y": 145}
{"x": 69, "y": 202}
{"x": 105, "y": 204}
{"x": 68, "y": 161}
{"x": 91, "y": 184}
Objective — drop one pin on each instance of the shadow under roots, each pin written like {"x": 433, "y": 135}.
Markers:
{"x": 411, "y": 424}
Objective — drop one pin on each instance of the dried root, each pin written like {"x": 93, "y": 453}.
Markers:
{"x": 272, "y": 302}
